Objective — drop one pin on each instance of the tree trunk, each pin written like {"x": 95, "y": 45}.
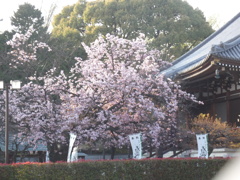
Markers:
{"x": 150, "y": 151}
{"x": 174, "y": 150}
{"x": 58, "y": 153}
{"x": 129, "y": 152}
{"x": 104, "y": 154}
{"x": 159, "y": 152}
{"x": 113, "y": 152}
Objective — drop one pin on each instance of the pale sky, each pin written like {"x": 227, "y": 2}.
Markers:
{"x": 221, "y": 10}
{"x": 8, "y": 7}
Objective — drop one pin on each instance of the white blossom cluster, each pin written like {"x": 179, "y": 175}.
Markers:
{"x": 116, "y": 92}
{"x": 23, "y": 49}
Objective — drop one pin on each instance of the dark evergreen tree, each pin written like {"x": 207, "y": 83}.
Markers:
{"x": 28, "y": 16}
{"x": 67, "y": 36}
{"x": 171, "y": 26}
{"x": 24, "y": 18}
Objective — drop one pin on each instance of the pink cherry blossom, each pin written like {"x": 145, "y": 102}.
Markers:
{"x": 117, "y": 91}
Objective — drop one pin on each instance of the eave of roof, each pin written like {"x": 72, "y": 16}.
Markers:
{"x": 201, "y": 71}
{"x": 199, "y": 54}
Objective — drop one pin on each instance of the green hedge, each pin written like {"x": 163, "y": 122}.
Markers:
{"x": 147, "y": 169}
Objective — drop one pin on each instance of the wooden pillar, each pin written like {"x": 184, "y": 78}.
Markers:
{"x": 228, "y": 107}
{"x": 213, "y": 106}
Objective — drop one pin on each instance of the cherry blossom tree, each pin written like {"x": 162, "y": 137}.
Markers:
{"x": 20, "y": 56}
{"x": 119, "y": 91}
{"x": 22, "y": 52}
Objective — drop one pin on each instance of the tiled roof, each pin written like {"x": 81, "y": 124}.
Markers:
{"x": 229, "y": 50}
{"x": 199, "y": 54}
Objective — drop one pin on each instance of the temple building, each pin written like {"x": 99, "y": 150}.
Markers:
{"x": 211, "y": 71}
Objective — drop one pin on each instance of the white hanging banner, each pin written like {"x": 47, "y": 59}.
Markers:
{"x": 202, "y": 141}
{"x": 74, "y": 156}
{"x": 71, "y": 142}
{"x": 136, "y": 143}
{"x": 47, "y": 156}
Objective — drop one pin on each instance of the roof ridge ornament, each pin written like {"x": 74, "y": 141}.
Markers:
{"x": 224, "y": 46}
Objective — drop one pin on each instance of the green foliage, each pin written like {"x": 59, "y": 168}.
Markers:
{"x": 176, "y": 27}
{"x": 114, "y": 17}
{"x": 63, "y": 53}
{"x": 67, "y": 36}
{"x": 171, "y": 26}
{"x": 4, "y": 37}
{"x": 69, "y": 24}
{"x": 27, "y": 16}
{"x": 7, "y": 172}
{"x": 24, "y": 18}
{"x": 165, "y": 169}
